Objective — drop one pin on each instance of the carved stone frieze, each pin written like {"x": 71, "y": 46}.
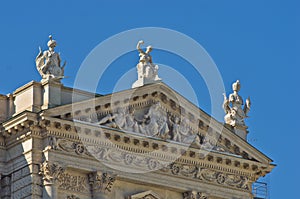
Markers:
{"x": 72, "y": 182}
{"x": 69, "y": 146}
{"x": 102, "y": 181}
{"x": 153, "y": 121}
{"x": 126, "y": 158}
{"x": 51, "y": 172}
{"x": 72, "y": 197}
{"x": 145, "y": 195}
{"x": 141, "y": 162}
{"x": 194, "y": 195}
{"x": 209, "y": 175}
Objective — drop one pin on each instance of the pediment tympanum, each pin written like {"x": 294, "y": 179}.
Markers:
{"x": 145, "y": 195}
{"x": 158, "y": 111}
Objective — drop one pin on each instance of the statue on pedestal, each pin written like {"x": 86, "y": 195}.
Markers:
{"x": 147, "y": 71}
{"x": 48, "y": 63}
{"x": 235, "y": 114}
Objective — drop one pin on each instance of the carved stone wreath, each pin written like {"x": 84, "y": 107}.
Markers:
{"x": 221, "y": 178}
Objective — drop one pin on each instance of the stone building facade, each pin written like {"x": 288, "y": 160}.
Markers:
{"x": 148, "y": 142}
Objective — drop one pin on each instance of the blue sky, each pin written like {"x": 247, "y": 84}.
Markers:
{"x": 257, "y": 42}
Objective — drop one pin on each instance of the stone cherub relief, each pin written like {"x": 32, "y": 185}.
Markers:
{"x": 154, "y": 122}
{"x": 235, "y": 114}
{"x": 147, "y": 71}
{"x": 48, "y": 63}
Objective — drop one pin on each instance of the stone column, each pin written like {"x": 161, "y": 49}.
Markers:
{"x": 50, "y": 173}
{"x": 101, "y": 184}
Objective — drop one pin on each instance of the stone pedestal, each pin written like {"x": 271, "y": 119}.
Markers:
{"x": 147, "y": 74}
{"x": 241, "y": 131}
{"x": 52, "y": 94}
{"x": 143, "y": 81}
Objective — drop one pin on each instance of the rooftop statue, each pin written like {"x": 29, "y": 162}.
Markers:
{"x": 235, "y": 113}
{"x": 147, "y": 71}
{"x": 48, "y": 63}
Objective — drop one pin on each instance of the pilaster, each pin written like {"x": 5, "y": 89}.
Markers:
{"x": 50, "y": 173}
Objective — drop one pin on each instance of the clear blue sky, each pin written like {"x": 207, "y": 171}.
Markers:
{"x": 255, "y": 41}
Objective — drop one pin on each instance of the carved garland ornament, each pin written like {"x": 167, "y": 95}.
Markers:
{"x": 144, "y": 163}
{"x": 147, "y": 163}
{"x": 209, "y": 175}
{"x": 126, "y": 158}
{"x": 68, "y": 146}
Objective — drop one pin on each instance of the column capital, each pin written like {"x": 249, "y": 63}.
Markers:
{"x": 102, "y": 181}
{"x": 51, "y": 172}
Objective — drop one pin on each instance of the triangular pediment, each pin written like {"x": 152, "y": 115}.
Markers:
{"x": 145, "y": 195}
{"x": 158, "y": 111}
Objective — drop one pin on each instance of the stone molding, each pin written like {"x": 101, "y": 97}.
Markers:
{"x": 64, "y": 130}
{"x": 107, "y": 137}
{"x": 202, "y": 172}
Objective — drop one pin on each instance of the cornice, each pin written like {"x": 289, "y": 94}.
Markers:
{"x": 93, "y": 135}
{"x": 172, "y": 102}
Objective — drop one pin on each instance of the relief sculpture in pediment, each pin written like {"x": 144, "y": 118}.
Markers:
{"x": 154, "y": 122}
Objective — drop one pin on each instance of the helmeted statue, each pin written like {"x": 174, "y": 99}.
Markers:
{"x": 235, "y": 113}
{"x": 147, "y": 71}
{"x": 48, "y": 63}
